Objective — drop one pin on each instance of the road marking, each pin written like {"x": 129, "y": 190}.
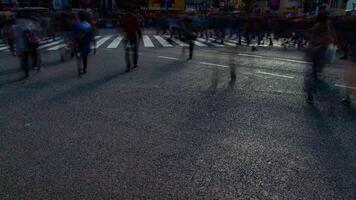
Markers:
{"x": 273, "y": 74}
{"x": 292, "y": 60}
{"x": 180, "y": 43}
{"x": 50, "y": 44}
{"x": 212, "y": 42}
{"x": 46, "y": 41}
{"x": 147, "y": 41}
{"x": 3, "y": 48}
{"x": 102, "y": 41}
{"x": 200, "y": 44}
{"x": 2, "y": 45}
{"x": 115, "y": 43}
{"x": 57, "y": 47}
{"x": 345, "y": 86}
{"x": 169, "y": 58}
{"x": 213, "y": 64}
{"x": 162, "y": 41}
{"x": 230, "y": 44}
{"x": 249, "y": 55}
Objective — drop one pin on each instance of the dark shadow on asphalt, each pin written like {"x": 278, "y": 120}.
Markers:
{"x": 9, "y": 82}
{"x": 10, "y": 71}
{"x": 85, "y": 87}
{"x": 168, "y": 69}
{"x": 327, "y": 146}
{"x": 51, "y": 82}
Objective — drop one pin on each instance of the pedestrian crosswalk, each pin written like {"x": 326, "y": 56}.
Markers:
{"x": 148, "y": 41}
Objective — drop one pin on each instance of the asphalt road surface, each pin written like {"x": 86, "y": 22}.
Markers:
{"x": 175, "y": 129}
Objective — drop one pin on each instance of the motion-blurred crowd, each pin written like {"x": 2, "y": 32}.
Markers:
{"x": 25, "y": 29}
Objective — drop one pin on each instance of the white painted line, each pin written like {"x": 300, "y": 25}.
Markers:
{"x": 213, "y": 64}
{"x": 50, "y": 44}
{"x": 97, "y": 37}
{"x": 180, "y": 43}
{"x": 212, "y": 42}
{"x": 169, "y": 58}
{"x": 46, "y": 41}
{"x": 2, "y": 45}
{"x": 230, "y": 44}
{"x": 235, "y": 41}
{"x": 292, "y": 60}
{"x": 3, "y": 48}
{"x": 56, "y": 47}
{"x": 249, "y": 55}
{"x": 273, "y": 74}
{"x": 345, "y": 86}
{"x": 102, "y": 41}
{"x": 162, "y": 41}
{"x": 199, "y": 44}
{"x": 147, "y": 41}
{"x": 115, "y": 43}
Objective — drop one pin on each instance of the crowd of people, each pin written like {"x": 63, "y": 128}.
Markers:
{"x": 78, "y": 29}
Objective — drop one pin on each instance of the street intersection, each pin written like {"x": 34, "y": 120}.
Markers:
{"x": 175, "y": 129}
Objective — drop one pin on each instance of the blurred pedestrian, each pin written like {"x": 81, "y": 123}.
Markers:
{"x": 8, "y": 34}
{"x": 321, "y": 36}
{"x": 65, "y": 27}
{"x": 190, "y": 35}
{"x": 350, "y": 80}
{"x": 83, "y": 39}
{"x": 133, "y": 35}
{"x": 26, "y": 41}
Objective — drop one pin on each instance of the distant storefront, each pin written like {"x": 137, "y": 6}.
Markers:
{"x": 168, "y": 5}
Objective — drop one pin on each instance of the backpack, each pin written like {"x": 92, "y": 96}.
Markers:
{"x": 32, "y": 39}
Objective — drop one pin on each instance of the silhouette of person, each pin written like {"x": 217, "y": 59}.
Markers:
{"x": 133, "y": 34}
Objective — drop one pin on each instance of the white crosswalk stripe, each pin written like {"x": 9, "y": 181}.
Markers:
{"x": 162, "y": 41}
{"x": 212, "y": 42}
{"x": 50, "y": 44}
{"x": 46, "y": 41}
{"x": 199, "y": 44}
{"x": 3, "y": 48}
{"x": 147, "y": 41}
{"x": 57, "y": 47}
{"x": 102, "y": 41}
{"x": 180, "y": 43}
{"x": 115, "y": 43}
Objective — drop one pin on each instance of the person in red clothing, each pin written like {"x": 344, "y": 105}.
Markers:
{"x": 133, "y": 34}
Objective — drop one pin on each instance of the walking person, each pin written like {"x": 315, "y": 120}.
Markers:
{"x": 321, "y": 36}
{"x": 7, "y": 32}
{"x": 350, "y": 80}
{"x": 83, "y": 39}
{"x": 26, "y": 41}
{"x": 190, "y": 35}
{"x": 133, "y": 35}
{"x": 22, "y": 49}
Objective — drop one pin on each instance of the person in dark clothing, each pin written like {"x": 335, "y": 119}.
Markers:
{"x": 133, "y": 34}
{"x": 83, "y": 37}
{"x": 190, "y": 35}
{"x": 321, "y": 36}
{"x": 8, "y": 34}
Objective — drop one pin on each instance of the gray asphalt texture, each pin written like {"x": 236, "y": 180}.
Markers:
{"x": 174, "y": 129}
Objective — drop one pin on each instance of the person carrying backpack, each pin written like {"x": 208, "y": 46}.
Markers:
{"x": 83, "y": 38}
